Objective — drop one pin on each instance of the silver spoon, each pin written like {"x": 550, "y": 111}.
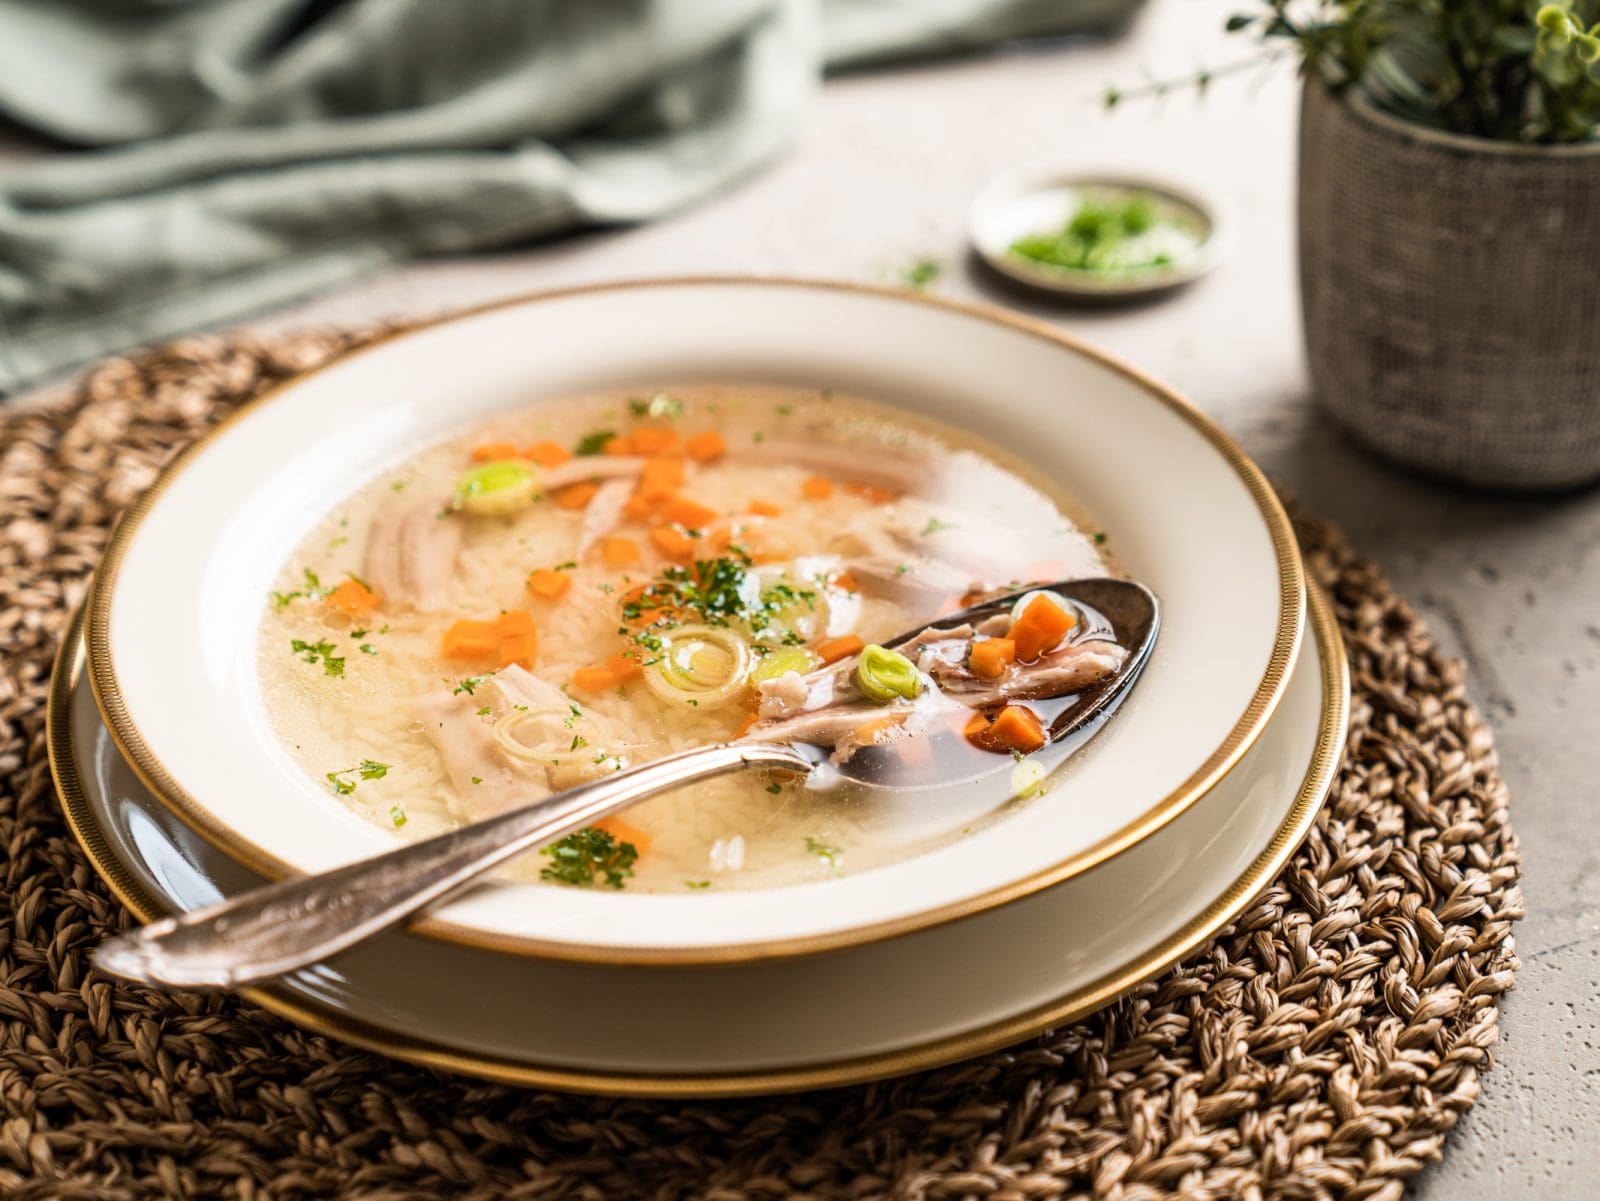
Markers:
{"x": 281, "y": 928}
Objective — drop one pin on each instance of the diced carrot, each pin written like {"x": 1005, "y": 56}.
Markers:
{"x": 705, "y": 446}
{"x": 519, "y": 648}
{"x": 846, "y": 581}
{"x": 1014, "y": 728}
{"x": 991, "y": 657}
{"x": 352, "y": 598}
{"x": 547, "y": 454}
{"x": 618, "y": 669}
{"x": 816, "y": 488}
{"x": 619, "y": 551}
{"x": 470, "y": 640}
{"x": 843, "y": 647}
{"x": 513, "y": 622}
{"x": 624, "y": 832}
{"x": 673, "y": 543}
{"x": 690, "y": 514}
{"x": 575, "y": 496}
{"x": 765, "y": 508}
{"x": 877, "y": 729}
{"x": 1040, "y": 628}
{"x": 624, "y": 665}
{"x": 549, "y": 584}
{"x": 493, "y": 451}
{"x": 655, "y": 442}
{"x": 519, "y": 638}
{"x": 660, "y": 478}
{"x": 618, "y": 444}
{"x": 744, "y": 726}
{"x": 594, "y": 679}
{"x": 872, "y": 493}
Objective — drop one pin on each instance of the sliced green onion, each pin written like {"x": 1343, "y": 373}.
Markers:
{"x": 699, "y": 666}
{"x": 884, "y": 675}
{"x": 781, "y": 662}
{"x": 496, "y": 488}
{"x": 1028, "y": 778}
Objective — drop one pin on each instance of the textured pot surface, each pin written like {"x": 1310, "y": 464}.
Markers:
{"x": 1451, "y": 291}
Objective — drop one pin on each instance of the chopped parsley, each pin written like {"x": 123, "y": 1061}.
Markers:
{"x": 312, "y": 589}
{"x": 1100, "y": 537}
{"x": 594, "y": 443}
{"x": 785, "y": 410}
{"x": 397, "y": 815}
{"x": 659, "y": 405}
{"x": 587, "y": 854}
{"x": 479, "y": 779}
{"x": 829, "y": 855}
{"x": 578, "y": 741}
{"x": 569, "y": 565}
{"x": 484, "y": 712}
{"x": 572, "y": 716}
{"x": 934, "y": 526}
{"x": 319, "y": 652}
{"x": 366, "y": 648}
{"x": 344, "y": 783}
{"x": 774, "y": 788}
{"x": 921, "y": 273}
{"x": 469, "y": 685}
{"x": 697, "y": 883}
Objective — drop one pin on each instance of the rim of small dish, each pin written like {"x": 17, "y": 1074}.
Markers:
{"x": 1241, "y": 736}
{"x": 1030, "y": 178}
{"x": 1313, "y": 791}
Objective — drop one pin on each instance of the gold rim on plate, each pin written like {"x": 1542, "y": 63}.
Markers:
{"x": 1073, "y": 1005}
{"x": 1286, "y": 644}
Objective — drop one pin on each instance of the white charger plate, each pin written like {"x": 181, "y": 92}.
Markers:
{"x": 884, "y": 1008}
{"x": 174, "y": 610}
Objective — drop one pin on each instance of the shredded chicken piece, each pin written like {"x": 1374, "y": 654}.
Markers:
{"x": 486, "y": 782}
{"x": 604, "y": 512}
{"x": 591, "y": 467}
{"x": 411, "y": 555}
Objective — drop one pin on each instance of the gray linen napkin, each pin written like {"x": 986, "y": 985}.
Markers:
{"x": 240, "y": 153}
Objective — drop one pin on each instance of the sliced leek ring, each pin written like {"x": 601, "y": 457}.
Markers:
{"x": 699, "y": 667}
{"x": 496, "y": 489}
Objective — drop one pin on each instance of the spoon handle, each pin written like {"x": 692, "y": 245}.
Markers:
{"x": 280, "y": 928}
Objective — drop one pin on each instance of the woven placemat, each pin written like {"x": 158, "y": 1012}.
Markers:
{"x": 1320, "y": 1048}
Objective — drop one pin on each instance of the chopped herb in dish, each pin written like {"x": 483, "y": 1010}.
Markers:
{"x": 1113, "y": 232}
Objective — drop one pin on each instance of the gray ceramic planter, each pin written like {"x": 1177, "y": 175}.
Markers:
{"x": 1451, "y": 291}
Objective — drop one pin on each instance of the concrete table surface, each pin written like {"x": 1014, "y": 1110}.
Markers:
{"x": 883, "y": 176}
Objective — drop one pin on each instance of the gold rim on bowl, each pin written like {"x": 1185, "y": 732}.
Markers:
{"x": 1078, "y": 1003}
{"x": 1286, "y": 644}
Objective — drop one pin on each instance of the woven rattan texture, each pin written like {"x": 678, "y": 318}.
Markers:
{"x": 1321, "y": 1048}
{"x": 1450, "y": 297}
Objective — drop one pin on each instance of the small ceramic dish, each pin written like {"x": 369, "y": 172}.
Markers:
{"x": 1039, "y": 200}
{"x": 868, "y": 1011}
{"x": 175, "y": 610}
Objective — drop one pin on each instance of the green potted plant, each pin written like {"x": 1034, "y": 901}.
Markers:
{"x": 1449, "y": 216}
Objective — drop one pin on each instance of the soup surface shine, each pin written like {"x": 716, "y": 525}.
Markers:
{"x": 599, "y": 581}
